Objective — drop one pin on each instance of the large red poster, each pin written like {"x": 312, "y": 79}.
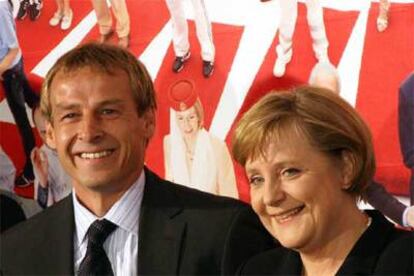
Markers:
{"x": 371, "y": 66}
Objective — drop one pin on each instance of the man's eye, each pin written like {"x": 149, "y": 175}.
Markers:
{"x": 290, "y": 172}
{"x": 69, "y": 116}
{"x": 108, "y": 111}
{"x": 256, "y": 180}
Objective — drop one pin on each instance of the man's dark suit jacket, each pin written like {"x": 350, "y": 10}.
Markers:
{"x": 181, "y": 231}
{"x": 406, "y": 126}
{"x": 381, "y": 250}
{"x": 376, "y": 194}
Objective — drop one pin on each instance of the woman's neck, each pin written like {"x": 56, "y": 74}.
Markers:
{"x": 190, "y": 141}
{"x": 190, "y": 144}
{"x": 328, "y": 258}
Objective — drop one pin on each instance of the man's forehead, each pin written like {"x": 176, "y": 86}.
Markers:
{"x": 74, "y": 76}
{"x": 96, "y": 70}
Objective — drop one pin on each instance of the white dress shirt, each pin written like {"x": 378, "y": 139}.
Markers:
{"x": 121, "y": 246}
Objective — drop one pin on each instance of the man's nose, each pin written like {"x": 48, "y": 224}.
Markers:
{"x": 90, "y": 129}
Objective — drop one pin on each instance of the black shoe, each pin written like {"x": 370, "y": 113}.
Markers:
{"x": 22, "y": 181}
{"x": 21, "y": 14}
{"x": 178, "y": 64}
{"x": 34, "y": 9}
{"x": 208, "y": 68}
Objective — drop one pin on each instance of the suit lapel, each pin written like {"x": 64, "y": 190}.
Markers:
{"x": 161, "y": 228}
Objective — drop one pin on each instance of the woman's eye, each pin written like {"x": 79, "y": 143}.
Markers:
{"x": 290, "y": 172}
{"x": 256, "y": 180}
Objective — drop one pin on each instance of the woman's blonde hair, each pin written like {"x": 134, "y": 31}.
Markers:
{"x": 326, "y": 121}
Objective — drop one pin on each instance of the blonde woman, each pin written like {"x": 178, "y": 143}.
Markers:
{"x": 309, "y": 158}
{"x": 193, "y": 157}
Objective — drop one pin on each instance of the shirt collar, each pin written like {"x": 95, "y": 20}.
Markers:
{"x": 124, "y": 213}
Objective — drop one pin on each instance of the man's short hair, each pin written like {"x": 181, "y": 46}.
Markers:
{"x": 104, "y": 59}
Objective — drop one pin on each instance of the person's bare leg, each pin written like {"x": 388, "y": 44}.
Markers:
{"x": 104, "y": 17}
{"x": 57, "y": 16}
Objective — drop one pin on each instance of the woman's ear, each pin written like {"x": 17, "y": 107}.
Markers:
{"x": 347, "y": 169}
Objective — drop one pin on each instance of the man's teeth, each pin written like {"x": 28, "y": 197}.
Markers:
{"x": 95, "y": 155}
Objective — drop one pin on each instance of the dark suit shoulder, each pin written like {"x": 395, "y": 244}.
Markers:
{"x": 397, "y": 256}
{"x": 189, "y": 197}
{"x": 40, "y": 245}
{"x": 217, "y": 234}
{"x": 47, "y": 217}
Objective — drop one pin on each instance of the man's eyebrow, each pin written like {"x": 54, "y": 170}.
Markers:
{"x": 112, "y": 102}
{"x": 63, "y": 106}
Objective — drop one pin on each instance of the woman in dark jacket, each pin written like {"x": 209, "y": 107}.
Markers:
{"x": 308, "y": 157}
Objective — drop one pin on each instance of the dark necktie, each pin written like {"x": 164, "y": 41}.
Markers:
{"x": 96, "y": 261}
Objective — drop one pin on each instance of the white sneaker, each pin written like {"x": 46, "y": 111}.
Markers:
{"x": 55, "y": 20}
{"x": 280, "y": 65}
{"x": 67, "y": 21}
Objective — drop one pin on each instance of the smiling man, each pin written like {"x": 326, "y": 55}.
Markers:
{"x": 121, "y": 219}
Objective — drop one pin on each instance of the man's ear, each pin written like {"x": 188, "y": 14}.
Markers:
{"x": 149, "y": 123}
{"x": 348, "y": 169}
{"x": 50, "y": 136}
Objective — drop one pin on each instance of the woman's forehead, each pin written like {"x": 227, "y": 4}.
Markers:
{"x": 189, "y": 111}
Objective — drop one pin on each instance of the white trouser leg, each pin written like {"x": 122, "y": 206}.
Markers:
{"x": 103, "y": 16}
{"x": 288, "y": 15}
{"x": 120, "y": 11}
{"x": 317, "y": 29}
{"x": 203, "y": 29}
{"x": 180, "y": 27}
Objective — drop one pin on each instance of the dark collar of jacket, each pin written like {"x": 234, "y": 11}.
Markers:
{"x": 159, "y": 209}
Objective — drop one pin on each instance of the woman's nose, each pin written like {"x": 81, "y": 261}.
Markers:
{"x": 273, "y": 193}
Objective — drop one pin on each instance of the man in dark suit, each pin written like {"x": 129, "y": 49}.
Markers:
{"x": 121, "y": 218}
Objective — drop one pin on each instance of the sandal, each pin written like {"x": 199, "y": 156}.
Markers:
{"x": 382, "y": 20}
{"x": 55, "y": 20}
{"x": 67, "y": 20}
